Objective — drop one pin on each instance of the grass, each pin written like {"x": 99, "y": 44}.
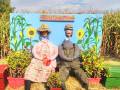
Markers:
{"x": 110, "y": 61}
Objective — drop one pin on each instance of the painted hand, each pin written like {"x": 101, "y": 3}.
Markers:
{"x": 46, "y": 61}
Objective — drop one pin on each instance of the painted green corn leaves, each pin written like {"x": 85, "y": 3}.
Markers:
{"x": 92, "y": 26}
{"x": 17, "y": 34}
{"x": 18, "y": 24}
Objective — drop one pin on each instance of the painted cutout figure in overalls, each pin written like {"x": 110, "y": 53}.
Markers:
{"x": 69, "y": 55}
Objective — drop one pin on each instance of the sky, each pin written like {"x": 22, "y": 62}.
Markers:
{"x": 73, "y": 5}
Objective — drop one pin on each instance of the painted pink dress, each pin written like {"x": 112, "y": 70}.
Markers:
{"x": 39, "y": 70}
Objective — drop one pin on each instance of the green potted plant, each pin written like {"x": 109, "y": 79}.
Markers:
{"x": 93, "y": 65}
{"x": 17, "y": 63}
{"x": 54, "y": 82}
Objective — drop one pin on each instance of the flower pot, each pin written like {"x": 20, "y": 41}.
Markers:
{"x": 3, "y": 76}
{"x": 55, "y": 88}
{"x": 15, "y": 82}
{"x": 94, "y": 81}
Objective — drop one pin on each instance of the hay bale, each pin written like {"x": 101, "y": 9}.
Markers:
{"x": 37, "y": 86}
{"x": 34, "y": 86}
{"x": 73, "y": 84}
{"x": 9, "y": 88}
{"x": 97, "y": 87}
{"x": 2, "y": 61}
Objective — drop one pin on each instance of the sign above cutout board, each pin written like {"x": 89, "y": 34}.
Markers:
{"x": 57, "y": 18}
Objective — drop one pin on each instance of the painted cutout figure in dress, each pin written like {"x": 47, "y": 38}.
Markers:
{"x": 43, "y": 62}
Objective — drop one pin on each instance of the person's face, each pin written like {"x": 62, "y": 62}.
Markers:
{"x": 44, "y": 33}
{"x": 68, "y": 33}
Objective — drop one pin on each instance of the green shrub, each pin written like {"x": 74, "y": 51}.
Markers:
{"x": 17, "y": 62}
{"x": 54, "y": 81}
{"x": 93, "y": 64}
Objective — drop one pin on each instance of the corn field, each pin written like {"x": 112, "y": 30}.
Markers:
{"x": 111, "y": 34}
{"x": 5, "y": 10}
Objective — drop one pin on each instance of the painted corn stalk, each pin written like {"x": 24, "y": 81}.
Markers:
{"x": 90, "y": 35}
{"x": 22, "y": 33}
{"x": 18, "y": 26}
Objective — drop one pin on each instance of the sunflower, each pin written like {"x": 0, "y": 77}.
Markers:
{"x": 31, "y": 32}
{"x": 80, "y": 34}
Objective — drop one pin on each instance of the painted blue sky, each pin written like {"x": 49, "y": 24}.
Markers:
{"x": 74, "y": 5}
{"x": 57, "y": 28}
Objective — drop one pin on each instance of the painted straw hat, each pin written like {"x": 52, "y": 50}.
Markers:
{"x": 43, "y": 27}
{"x": 68, "y": 27}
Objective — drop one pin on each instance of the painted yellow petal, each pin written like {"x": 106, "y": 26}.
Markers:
{"x": 31, "y": 32}
{"x": 21, "y": 34}
{"x": 80, "y": 34}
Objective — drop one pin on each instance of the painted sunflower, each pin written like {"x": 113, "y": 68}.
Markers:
{"x": 31, "y": 32}
{"x": 80, "y": 34}
{"x": 21, "y": 34}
